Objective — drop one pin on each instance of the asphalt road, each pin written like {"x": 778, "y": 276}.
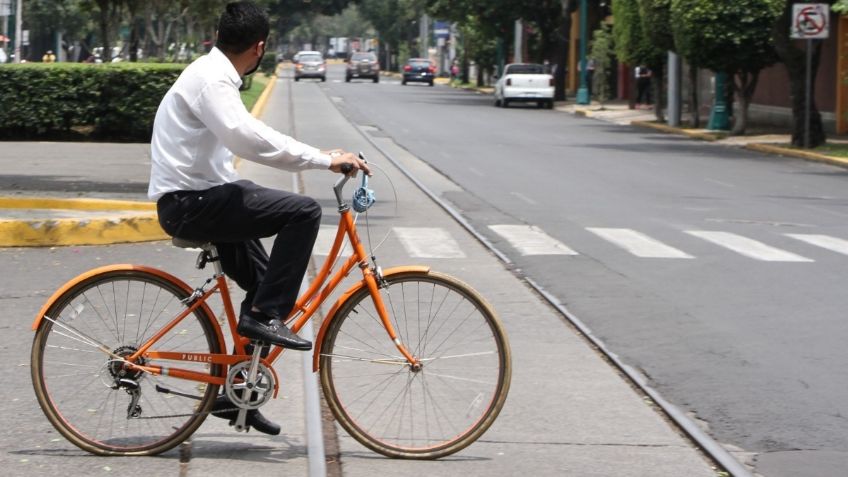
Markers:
{"x": 676, "y": 253}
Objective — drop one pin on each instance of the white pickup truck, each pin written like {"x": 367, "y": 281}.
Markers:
{"x": 526, "y": 82}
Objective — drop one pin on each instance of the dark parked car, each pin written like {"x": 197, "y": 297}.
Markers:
{"x": 419, "y": 69}
{"x": 310, "y": 65}
{"x": 363, "y": 65}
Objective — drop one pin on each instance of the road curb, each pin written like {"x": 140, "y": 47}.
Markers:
{"x": 808, "y": 155}
{"x": 119, "y": 228}
{"x": 705, "y": 136}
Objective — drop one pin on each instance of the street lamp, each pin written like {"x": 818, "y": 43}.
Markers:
{"x": 583, "y": 90}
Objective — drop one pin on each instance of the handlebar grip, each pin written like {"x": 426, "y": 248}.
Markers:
{"x": 346, "y": 168}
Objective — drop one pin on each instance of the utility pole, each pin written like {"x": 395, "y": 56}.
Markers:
{"x": 18, "y": 33}
{"x": 583, "y": 90}
{"x": 5, "y": 11}
{"x": 424, "y": 36}
{"x": 519, "y": 40}
{"x": 674, "y": 109}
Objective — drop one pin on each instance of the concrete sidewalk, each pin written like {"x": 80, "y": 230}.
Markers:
{"x": 620, "y": 113}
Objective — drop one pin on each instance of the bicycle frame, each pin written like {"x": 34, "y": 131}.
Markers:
{"x": 305, "y": 308}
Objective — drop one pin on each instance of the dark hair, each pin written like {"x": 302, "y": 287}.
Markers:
{"x": 241, "y": 25}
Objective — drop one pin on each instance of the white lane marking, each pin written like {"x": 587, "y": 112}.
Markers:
{"x": 324, "y": 241}
{"x": 748, "y": 247}
{"x": 337, "y": 81}
{"x": 428, "y": 242}
{"x": 834, "y": 244}
{"x": 476, "y": 171}
{"x": 638, "y": 243}
{"x": 531, "y": 240}
{"x": 524, "y": 198}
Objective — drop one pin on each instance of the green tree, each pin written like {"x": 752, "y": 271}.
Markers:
{"x": 794, "y": 59}
{"x": 395, "y": 22}
{"x": 602, "y": 55}
{"x": 634, "y": 47}
{"x": 728, "y": 37}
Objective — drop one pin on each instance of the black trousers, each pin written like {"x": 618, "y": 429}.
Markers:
{"x": 234, "y": 217}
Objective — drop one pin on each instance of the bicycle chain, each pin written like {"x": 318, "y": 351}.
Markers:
{"x": 189, "y": 414}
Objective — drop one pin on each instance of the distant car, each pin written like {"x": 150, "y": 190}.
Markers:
{"x": 310, "y": 65}
{"x": 304, "y": 52}
{"x": 419, "y": 69}
{"x": 363, "y": 65}
{"x": 526, "y": 82}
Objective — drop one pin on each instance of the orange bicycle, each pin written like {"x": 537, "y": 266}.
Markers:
{"x": 128, "y": 359}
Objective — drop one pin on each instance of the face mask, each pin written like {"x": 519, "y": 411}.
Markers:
{"x": 258, "y": 62}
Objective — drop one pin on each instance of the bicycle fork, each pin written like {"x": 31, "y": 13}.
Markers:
{"x": 373, "y": 287}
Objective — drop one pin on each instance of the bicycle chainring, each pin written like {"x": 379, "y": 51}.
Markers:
{"x": 246, "y": 395}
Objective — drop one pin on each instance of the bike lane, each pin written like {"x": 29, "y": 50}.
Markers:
{"x": 569, "y": 412}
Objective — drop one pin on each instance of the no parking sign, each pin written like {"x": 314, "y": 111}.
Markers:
{"x": 810, "y": 21}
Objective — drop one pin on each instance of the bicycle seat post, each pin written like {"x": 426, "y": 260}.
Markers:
{"x": 211, "y": 252}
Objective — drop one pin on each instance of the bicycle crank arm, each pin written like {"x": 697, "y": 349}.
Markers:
{"x": 241, "y": 421}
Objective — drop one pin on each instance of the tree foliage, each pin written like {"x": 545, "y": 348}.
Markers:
{"x": 728, "y": 37}
{"x": 632, "y": 44}
{"x": 725, "y": 36}
{"x": 656, "y": 22}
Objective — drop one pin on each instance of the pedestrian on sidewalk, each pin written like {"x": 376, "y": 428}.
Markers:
{"x": 201, "y": 122}
{"x": 643, "y": 86}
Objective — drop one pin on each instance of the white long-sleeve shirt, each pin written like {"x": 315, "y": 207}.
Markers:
{"x": 202, "y": 122}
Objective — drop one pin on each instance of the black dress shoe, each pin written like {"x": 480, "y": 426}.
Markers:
{"x": 271, "y": 331}
{"x": 254, "y": 418}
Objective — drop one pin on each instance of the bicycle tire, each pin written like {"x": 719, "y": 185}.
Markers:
{"x": 345, "y": 367}
{"x": 78, "y": 404}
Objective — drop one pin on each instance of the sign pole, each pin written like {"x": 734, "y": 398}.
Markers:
{"x": 808, "y": 94}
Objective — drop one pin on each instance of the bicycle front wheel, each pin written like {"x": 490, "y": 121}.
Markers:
{"x": 88, "y": 396}
{"x": 428, "y": 412}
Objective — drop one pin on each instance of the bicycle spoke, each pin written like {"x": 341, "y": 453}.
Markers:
{"x": 95, "y": 411}
{"x": 434, "y": 407}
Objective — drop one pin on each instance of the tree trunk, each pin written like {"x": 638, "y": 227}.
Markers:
{"x": 103, "y": 5}
{"x": 658, "y": 74}
{"x": 795, "y": 61}
{"x": 744, "y": 91}
{"x": 563, "y": 44}
{"x": 694, "y": 103}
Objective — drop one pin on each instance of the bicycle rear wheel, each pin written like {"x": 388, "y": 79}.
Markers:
{"x": 427, "y": 413}
{"x": 82, "y": 390}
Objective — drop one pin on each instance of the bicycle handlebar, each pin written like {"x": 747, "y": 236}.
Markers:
{"x": 346, "y": 169}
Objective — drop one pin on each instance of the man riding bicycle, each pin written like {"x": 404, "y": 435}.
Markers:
{"x": 200, "y": 124}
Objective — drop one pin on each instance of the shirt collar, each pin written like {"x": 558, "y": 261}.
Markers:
{"x": 221, "y": 59}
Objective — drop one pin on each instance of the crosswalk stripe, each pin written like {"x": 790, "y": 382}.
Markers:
{"x": 324, "y": 241}
{"x": 748, "y": 247}
{"x": 824, "y": 241}
{"x": 638, "y": 243}
{"x": 428, "y": 242}
{"x": 531, "y": 240}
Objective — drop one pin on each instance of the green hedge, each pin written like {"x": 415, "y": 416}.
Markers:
{"x": 115, "y": 101}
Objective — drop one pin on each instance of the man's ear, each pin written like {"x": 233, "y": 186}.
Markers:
{"x": 260, "y": 47}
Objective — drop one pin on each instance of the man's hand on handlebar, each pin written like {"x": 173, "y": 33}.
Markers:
{"x": 347, "y": 163}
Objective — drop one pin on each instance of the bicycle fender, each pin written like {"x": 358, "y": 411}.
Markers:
{"x": 119, "y": 267}
{"x": 347, "y": 294}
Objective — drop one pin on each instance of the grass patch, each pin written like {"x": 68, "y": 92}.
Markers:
{"x": 250, "y": 95}
{"x": 831, "y": 149}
